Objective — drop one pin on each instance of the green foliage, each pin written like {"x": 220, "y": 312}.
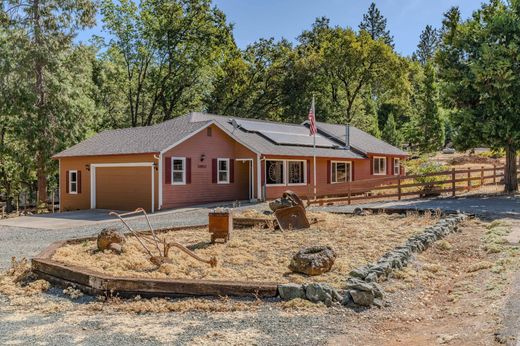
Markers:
{"x": 422, "y": 166}
{"x": 375, "y": 24}
{"x": 390, "y": 133}
{"x": 481, "y": 78}
{"x": 165, "y": 53}
{"x": 428, "y": 43}
{"x": 428, "y": 122}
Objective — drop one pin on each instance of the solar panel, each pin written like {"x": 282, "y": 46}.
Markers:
{"x": 285, "y": 134}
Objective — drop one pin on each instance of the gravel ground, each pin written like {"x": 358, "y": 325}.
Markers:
{"x": 268, "y": 325}
{"x": 28, "y": 242}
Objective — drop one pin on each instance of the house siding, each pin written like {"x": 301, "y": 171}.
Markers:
{"x": 202, "y": 189}
{"x": 362, "y": 169}
{"x": 81, "y": 200}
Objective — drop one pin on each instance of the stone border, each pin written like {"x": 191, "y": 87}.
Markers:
{"x": 362, "y": 288}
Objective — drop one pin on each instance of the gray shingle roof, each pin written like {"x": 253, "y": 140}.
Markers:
{"x": 360, "y": 140}
{"x": 156, "y": 138}
{"x": 136, "y": 140}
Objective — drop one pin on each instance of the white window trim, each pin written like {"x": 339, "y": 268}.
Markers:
{"x": 183, "y": 159}
{"x": 398, "y": 166}
{"x": 304, "y": 172}
{"x": 374, "y": 166}
{"x": 284, "y": 168}
{"x": 349, "y": 173}
{"x": 70, "y": 182}
{"x": 219, "y": 170}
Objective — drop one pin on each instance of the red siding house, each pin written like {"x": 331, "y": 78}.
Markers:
{"x": 201, "y": 158}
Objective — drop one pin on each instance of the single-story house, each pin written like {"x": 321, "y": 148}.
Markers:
{"x": 202, "y": 158}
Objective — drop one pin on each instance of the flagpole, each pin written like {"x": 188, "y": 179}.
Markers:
{"x": 314, "y": 148}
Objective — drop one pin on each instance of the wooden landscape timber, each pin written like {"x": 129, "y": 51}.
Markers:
{"x": 95, "y": 283}
{"x": 397, "y": 187}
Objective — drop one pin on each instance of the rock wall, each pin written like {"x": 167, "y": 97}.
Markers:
{"x": 362, "y": 288}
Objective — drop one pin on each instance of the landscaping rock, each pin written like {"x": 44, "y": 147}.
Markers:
{"x": 319, "y": 292}
{"x": 314, "y": 260}
{"x": 110, "y": 239}
{"x": 291, "y": 291}
{"x": 362, "y": 298}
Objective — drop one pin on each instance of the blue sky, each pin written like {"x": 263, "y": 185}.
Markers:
{"x": 254, "y": 19}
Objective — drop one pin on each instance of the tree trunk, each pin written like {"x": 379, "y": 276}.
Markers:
{"x": 510, "y": 170}
{"x": 42, "y": 181}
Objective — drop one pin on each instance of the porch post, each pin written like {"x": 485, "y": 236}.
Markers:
{"x": 258, "y": 178}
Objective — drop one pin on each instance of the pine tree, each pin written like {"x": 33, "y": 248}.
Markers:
{"x": 390, "y": 133}
{"x": 56, "y": 100}
{"x": 429, "y": 127}
{"x": 375, "y": 24}
{"x": 428, "y": 43}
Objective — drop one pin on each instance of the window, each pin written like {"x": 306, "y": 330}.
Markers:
{"x": 379, "y": 165}
{"x": 275, "y": 172}
{"x": 296, "y": 172}
{"x": 341, "y": 172}
{"x": 397, "y": 166}
{"x": 73, "y": 182}
{"x": 208, "y": 132}
{"x": 223, "y": 171}
{"x": 178, "y": 170}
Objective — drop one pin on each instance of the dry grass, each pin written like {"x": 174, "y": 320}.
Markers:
{"x": 257, "y": 254}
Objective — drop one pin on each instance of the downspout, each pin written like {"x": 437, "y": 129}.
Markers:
{"x": 59, "y": 186}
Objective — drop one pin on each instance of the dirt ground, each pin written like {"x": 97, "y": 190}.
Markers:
{"x": 452, "y": 294}
{"x": 256, "y": 254}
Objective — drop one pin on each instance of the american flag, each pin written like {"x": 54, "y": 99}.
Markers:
{"x": 312, "y": 120}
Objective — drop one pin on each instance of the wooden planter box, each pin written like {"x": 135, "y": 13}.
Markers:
{"x": 220, "y": 226}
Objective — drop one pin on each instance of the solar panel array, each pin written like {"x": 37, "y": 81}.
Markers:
{"x": 285, "y": 134}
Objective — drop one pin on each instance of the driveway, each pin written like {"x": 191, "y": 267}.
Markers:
{"x": 505, "y": 206}
{"x": 31, "y": 234}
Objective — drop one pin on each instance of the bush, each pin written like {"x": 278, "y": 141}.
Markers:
{"x": 424, "y": 165}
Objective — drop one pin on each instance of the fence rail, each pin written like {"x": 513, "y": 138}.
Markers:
{"x": 429, "y": 184}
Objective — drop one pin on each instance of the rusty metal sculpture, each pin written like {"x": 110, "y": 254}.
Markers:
{"x": 161, "y": 256}
{"x": 289, "y": 211}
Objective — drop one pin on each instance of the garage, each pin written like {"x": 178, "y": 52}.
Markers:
{"x": 123, "y": 187}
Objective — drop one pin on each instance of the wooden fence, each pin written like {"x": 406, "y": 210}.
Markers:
{"x": 398, "y": 187}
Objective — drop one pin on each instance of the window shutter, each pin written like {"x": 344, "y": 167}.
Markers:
{"x": 168, "y": 170}
{"x": 352, "y": 171}
{"x": 214, "y": 171}
{"x": 372, "y": 163}
{"x": 188, "y": 170}
{"x": 308, "y": 172}
{"x": 78, "y": 183}
{"x": 231, "y": 170}
{"x": 67, "y": 177}
{"x": 389, "y": 165}
{"x": 329, "y": 169}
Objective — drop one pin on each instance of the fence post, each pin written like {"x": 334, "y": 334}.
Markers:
{"x": 349, "y": 192}
{"x": 399, "y": 187}
{"x": 52, "y": 201}
{"x": 481, "y": 175}
{"x": 469, "y": 179}
{"x": 453, "y": 181}
{"x": 494, "y": 174}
